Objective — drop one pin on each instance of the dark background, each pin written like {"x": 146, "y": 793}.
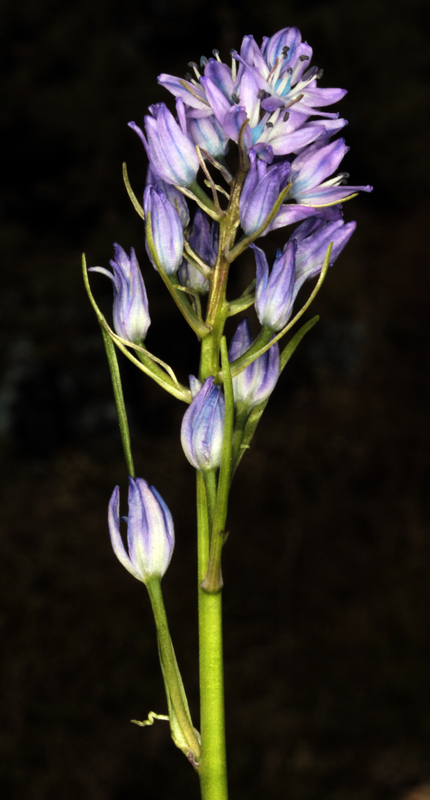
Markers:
{"x": 326, "y": 569}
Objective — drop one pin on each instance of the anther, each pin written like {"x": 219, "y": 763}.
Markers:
{"x": 203, "y": 61}
{"x": 303, "y": 58}
{"x": 285, "y": 50}
{"x": 269, "y": 124}
{"x": 235, "y": 98}
{"x": 286, "y": 116}
{"x": 262, "y": 94}
{"x": 188, "y": 76}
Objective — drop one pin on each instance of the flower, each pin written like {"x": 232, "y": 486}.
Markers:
{"x": 174, "y": 196}
{"x": 313, "y": 237}
{"x": 165, "y": 226}
{"x": 272, "y": 87}
{"x": 150, "y": 531}
{"x": 168, "y": 146}
{"x": 203, "y": 238}
{"x": 130, "y": 303}
{"x": 310, "y": 169}
{"x": 203, "y": 425}
{"x": 302, "y": 258}
{"x": 260, "y": 191}
{"x": 256, "y": 382}
{"x": 274, "y": 294}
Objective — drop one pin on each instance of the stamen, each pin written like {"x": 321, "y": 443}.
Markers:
{"x": 274, "y": 73}
{"x": 216, "y": 54}
{"x": 195, "y": 67}
{"x": 203, "y": 61}
{"x": 233, "y": 65}
{"x": 188, "y": 76}
{"x": 311, "y": 73}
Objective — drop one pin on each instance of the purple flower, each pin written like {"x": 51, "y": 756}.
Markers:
{"x": 256, "y": 382}
{"x": 203, "y": 238}
{"x": 168, "y": 146}
{"x": 310, "y": 170}
{"x": 272, "y": 86}
{"x": 274, "y": 294}
{"x": 282, "y": 63}
{"x": 166, "y": 229}
{"x": 174, "y": 196}
{"x": 130, "y": 304}
{"x": 150, "y": 532}
{"x": 208, "y": 134}
{"x": 302, "y": 258}
{"x": 203, "y": 425}
{"x": 260, "y": 191}
{"x": 313, "y": 238}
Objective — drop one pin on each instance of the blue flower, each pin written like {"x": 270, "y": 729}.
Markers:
{"x": 203, "y": 425}
{"x": 256, "y": 382}
{"x": 150, "y": 531}
{"x": 130, "y": 303}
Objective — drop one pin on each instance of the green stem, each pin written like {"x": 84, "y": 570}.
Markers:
{"x": 213, "y": 762}
{"x": 170, "y": 667}
{"x": 119, "y": 400}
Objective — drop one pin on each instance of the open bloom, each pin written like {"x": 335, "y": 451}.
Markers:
{"x": 272, "y": 86}
{"x": 203, "y": 425}
{"x": 256, "y": 382}
{"x": 150, "y": 531}
{"x": 130, "y": 303}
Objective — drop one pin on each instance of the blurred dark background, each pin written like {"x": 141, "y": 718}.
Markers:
{"x": 327, "y": 595}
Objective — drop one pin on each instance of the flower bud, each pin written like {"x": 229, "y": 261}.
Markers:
{"x": 256, "y": 382}
{"x": 203, "y": 425}
{"x": 313, "y": 238}
{"x": 150, "y": 531}
{"x": 274, "y": 295}
{"x": 168, "y": 146}
{"x": 166, "y": 229}
{"x": 174, "y": 196}
{"x": 261, "y": 189}
{"x": 203, "y": 238}
{"x": 130, "y": 304}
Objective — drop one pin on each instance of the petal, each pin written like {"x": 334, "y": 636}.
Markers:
{"x": 115, "y": 535}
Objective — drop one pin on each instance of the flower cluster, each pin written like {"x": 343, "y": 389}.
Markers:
{"x": 268, "y": 104}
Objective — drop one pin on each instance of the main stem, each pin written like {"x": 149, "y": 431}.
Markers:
{"x": 213, "y": 761}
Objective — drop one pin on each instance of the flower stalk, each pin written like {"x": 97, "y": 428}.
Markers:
{"x": 269, "y": 107}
